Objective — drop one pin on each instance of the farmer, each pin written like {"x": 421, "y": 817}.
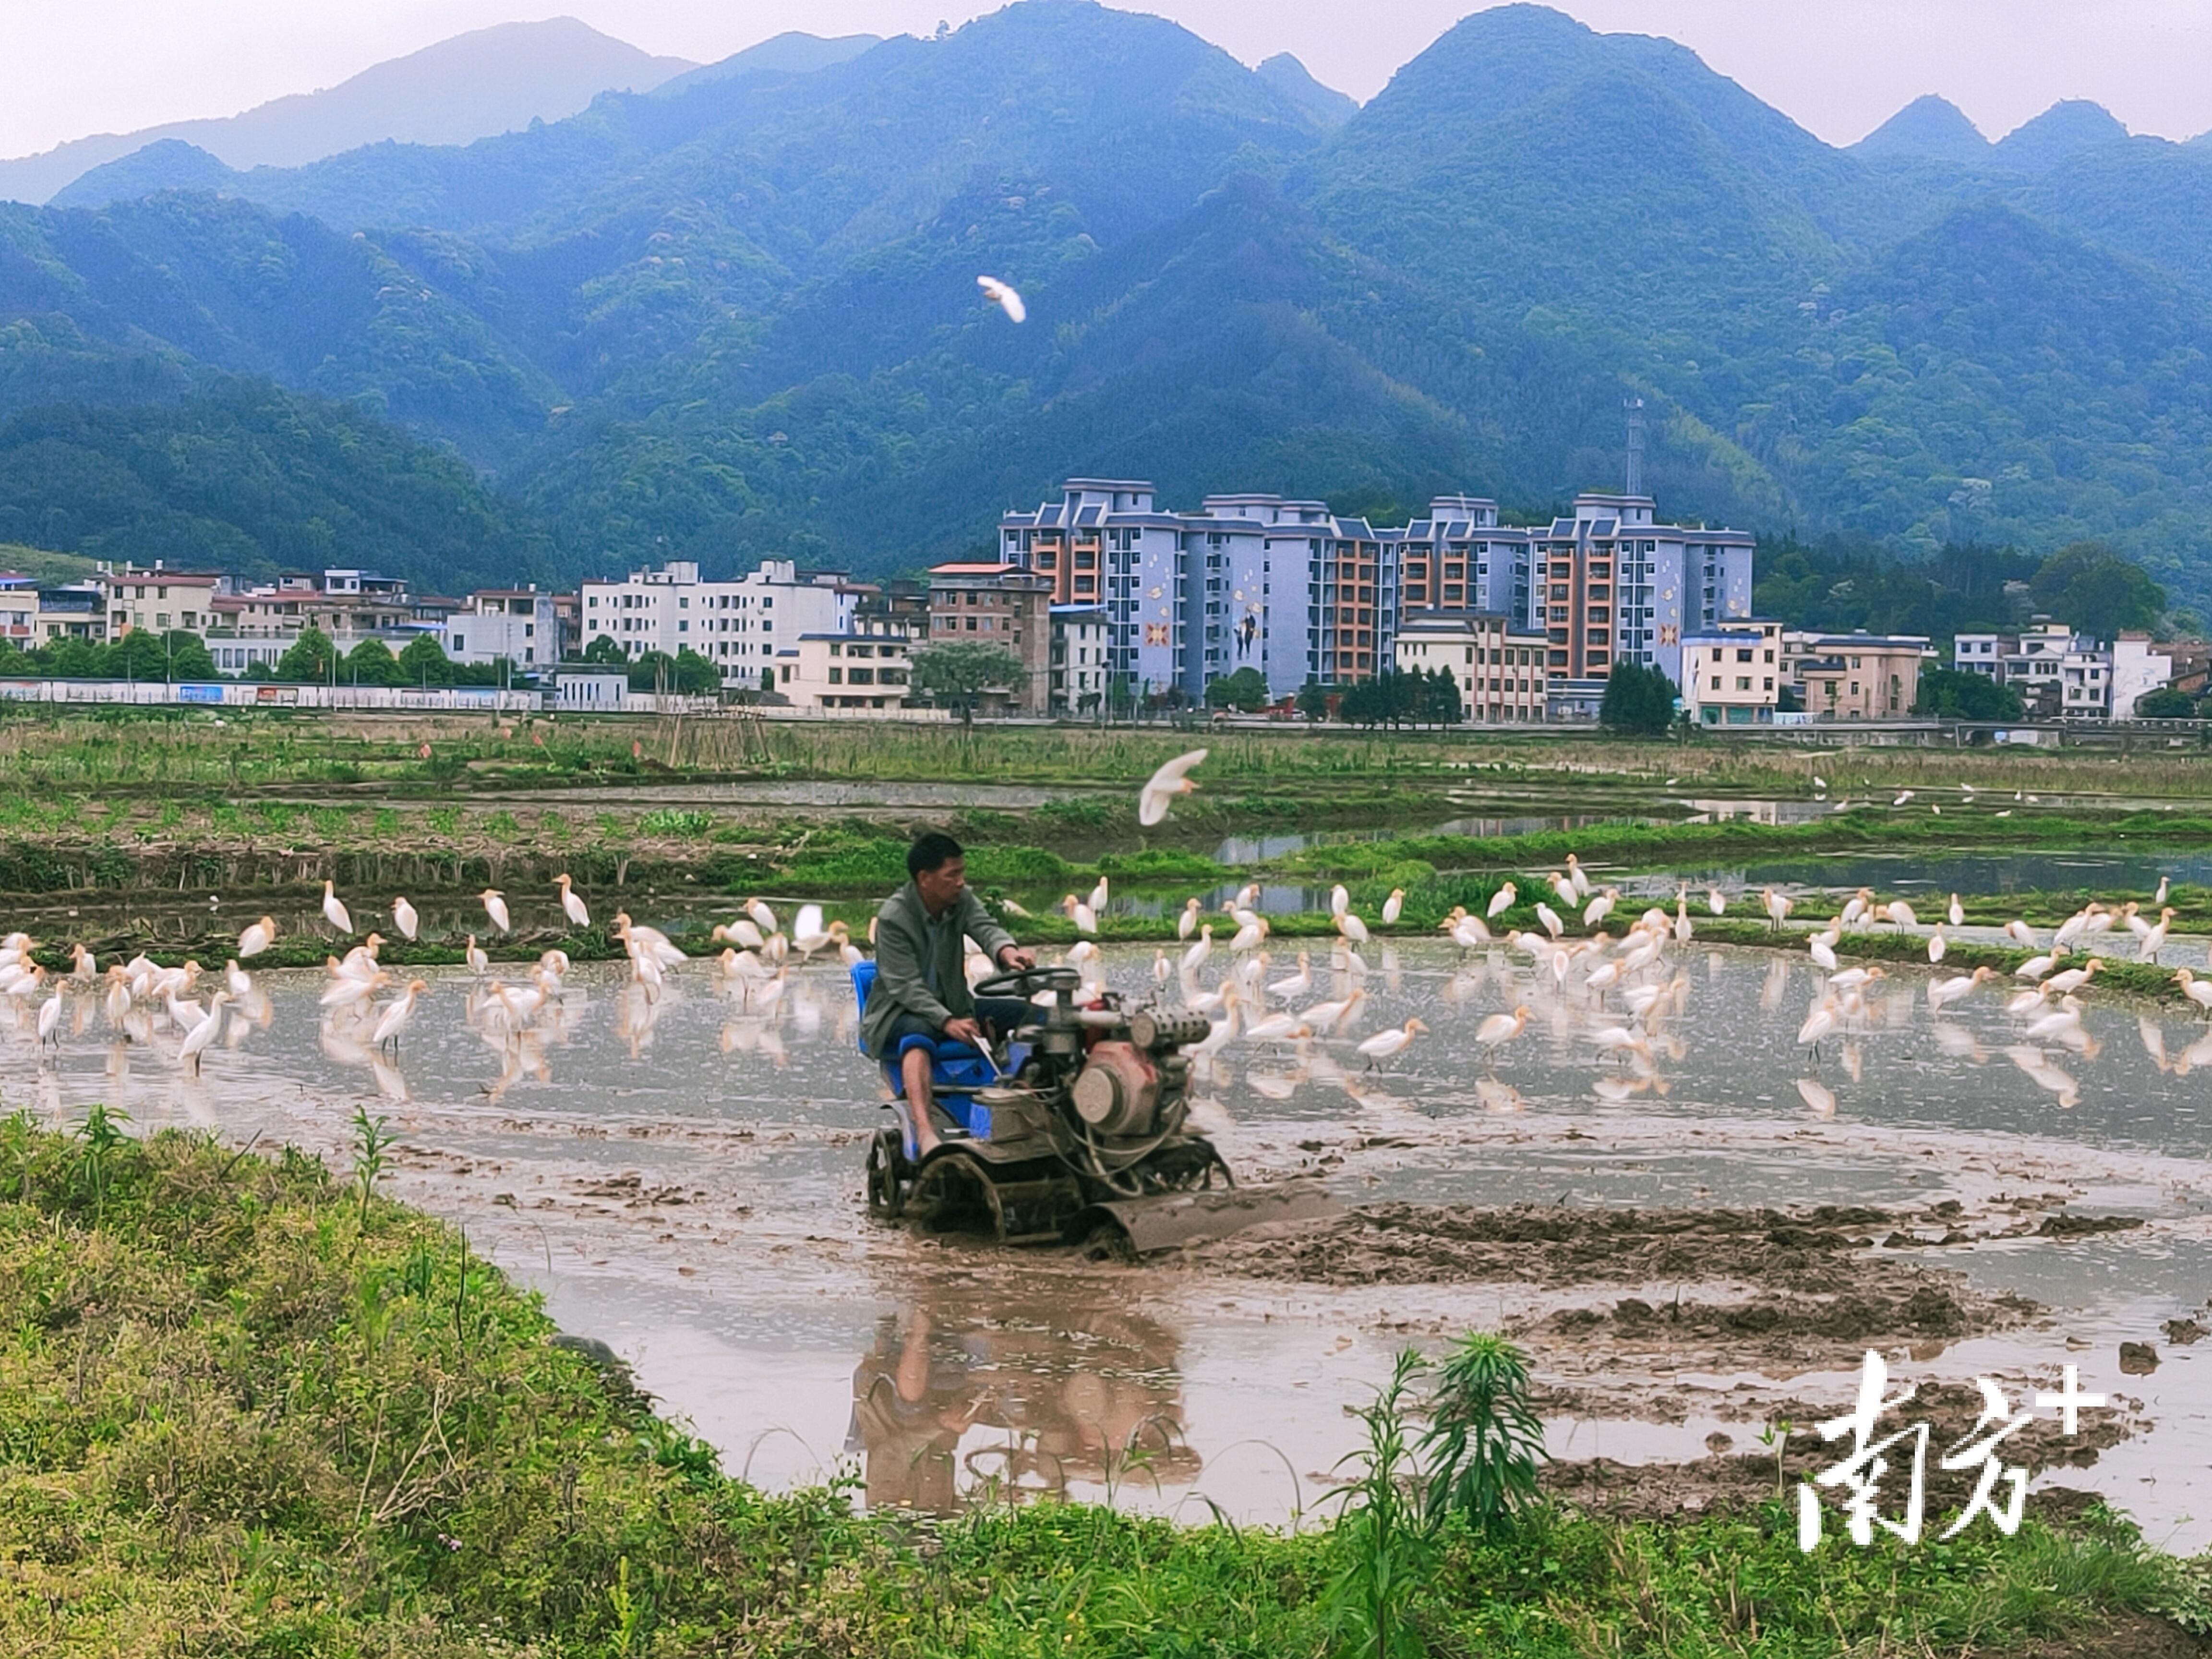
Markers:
{"x": 921, "y": 980}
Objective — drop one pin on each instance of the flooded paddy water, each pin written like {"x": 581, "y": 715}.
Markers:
{"x": 682, "y": 1179}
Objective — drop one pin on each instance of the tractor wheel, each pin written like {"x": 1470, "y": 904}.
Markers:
{"x": 886, "y": 1191}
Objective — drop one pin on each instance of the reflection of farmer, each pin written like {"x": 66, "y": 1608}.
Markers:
{"x": 1067, "y": 1419}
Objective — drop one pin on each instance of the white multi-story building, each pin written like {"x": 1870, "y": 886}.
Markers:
{"x": 1500, "y": 669}
{"x": 867, "y": 669}
{"x": 742, "y": 627}
{"x": 1078, "y": 659}
{"x": 2059, "y": 674}
{"x": 519, "y": 626}
{"x": 2140, "y": 666}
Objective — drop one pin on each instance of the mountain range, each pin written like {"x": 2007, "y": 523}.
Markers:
{"x": 489, "y": 80}
{"x": 736, "y": 315}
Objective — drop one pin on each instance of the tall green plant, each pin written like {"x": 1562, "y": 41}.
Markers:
{"x": 1382, "y": 1526}
{"x": 1484, "y": 1440}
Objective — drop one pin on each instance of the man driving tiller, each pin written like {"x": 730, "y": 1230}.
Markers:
{"x": 921, "y": 979}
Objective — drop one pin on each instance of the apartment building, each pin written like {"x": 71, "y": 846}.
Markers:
{"x": 2058, "y": 673}
{"x": 2140, "y": 666}
{"x": 973, "y": 602}
{"x": 1078, "y": 659}
{"x": 1857, "y": 676}
{"x": 869, "y": 669}
{"x": 1283, "y": 587}
{"x": 1613, "y": 584}
{"x": 739, "y": 626}
{"x": 1500, "y": 669}
{"x": 1460, "y": 558}
{"x": 158, "y": 600}
{"x": 1731, "y": 674}
{"x": 519, "y": 626}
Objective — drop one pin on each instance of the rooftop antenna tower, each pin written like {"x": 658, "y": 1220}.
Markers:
{"x": 1635, "y": 408}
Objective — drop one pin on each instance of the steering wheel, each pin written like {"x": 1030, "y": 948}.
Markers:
{"x": 1028, "y": 981}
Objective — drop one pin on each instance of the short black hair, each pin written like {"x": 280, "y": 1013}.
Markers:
{"x": 933, "y": 851}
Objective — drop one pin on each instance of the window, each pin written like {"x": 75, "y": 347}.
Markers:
{"x": 1743, "y": 682}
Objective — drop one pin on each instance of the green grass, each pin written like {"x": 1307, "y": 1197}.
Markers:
{"x": 248, "y": 1406}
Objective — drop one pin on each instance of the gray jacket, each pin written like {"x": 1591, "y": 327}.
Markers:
{"x": 902, "y": 945}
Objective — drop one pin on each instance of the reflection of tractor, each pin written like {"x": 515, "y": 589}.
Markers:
{"x": 1080, "y": 1136}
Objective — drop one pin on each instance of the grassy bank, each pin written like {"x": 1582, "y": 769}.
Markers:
{"x": 249, "y": 1407}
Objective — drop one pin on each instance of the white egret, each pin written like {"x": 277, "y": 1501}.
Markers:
{"x": 1550, "y": 918}
{"x": 198, "y": 1040}
{"x": 1384, "y": 1044}
{"x": 1195, "y": 958}
{"x": 2198, "y": 990}
{"x": 477, "y": 961}
{"x": 1165, "y": 785}
{"x": 495, "y": 908}
{"x": 1942, "y": 993}
{"x": 396, "y": 1013}
{"x": 1003, "y": 295}
{"x": 571, "y": 906}
{"x": 1936, "y": 945}
{"x": 1498, "y": 1029}
{"x": 1352, "y": 927}
{"x": 334, "y": 912}
{"x": 1777, "y": 906}
{"x": 1188, "y": 921}
{"x": 1957, "y": 914}
{"x": 1503, "y": 900}
{"x": 1576, "y": 875}
{"x": 1394, "y": 907}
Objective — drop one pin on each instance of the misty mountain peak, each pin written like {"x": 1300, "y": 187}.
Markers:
{"x": 1291, "y": 78}
{"x": 1928, "y": 125}
{"x": 2059, "y": 134}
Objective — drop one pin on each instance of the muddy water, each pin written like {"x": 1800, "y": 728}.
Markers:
{"x": 680, "y": 1178}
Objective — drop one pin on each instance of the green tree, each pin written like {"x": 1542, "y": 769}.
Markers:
{"x": 2093, "y": 590}
{"x": 1245, "y": 689}
{"x": 423, "y": 662}
{"x": 606, "y": 651}
{"x": 371, "y": 663}
{"x": 695, "y": 676}
{"x": 310, "y": 659}
{"x": 1954, "y": 694}
{"x": 956, "y": 675}
{"x": 189, "y": 657}
{"x": 2165, "y": 704}
{"x": 1639, "y": 702}
{"x": 76, "y": 659}
{"x": 1312, "y": 701}
{"x": 138, "y": 655}
{"x": 1440, "y": 700}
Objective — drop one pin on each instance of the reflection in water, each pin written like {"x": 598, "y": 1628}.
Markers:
{"x": 947, "y": 1408}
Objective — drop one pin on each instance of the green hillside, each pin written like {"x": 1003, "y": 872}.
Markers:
{"x": 737, "y": 316}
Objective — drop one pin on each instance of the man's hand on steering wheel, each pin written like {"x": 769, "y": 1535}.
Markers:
{"x": 1013, "y": 956}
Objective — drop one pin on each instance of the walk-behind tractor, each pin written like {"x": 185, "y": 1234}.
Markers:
{"x": 1079, "y": 1137}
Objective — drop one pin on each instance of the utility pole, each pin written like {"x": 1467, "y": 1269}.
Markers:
{"x": 1635, "y": 408}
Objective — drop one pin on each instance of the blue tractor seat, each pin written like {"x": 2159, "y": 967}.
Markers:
{"x": 958, "y": 1070}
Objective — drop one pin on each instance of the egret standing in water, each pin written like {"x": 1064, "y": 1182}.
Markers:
{"x": 334, "y": 912}
{"x": 496, "y": 906}
{"x": 571, "y": 906}
{"x": 404, "y": 918}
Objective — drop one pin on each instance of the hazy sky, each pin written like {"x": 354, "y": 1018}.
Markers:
{"x": 1839, "y": 67}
